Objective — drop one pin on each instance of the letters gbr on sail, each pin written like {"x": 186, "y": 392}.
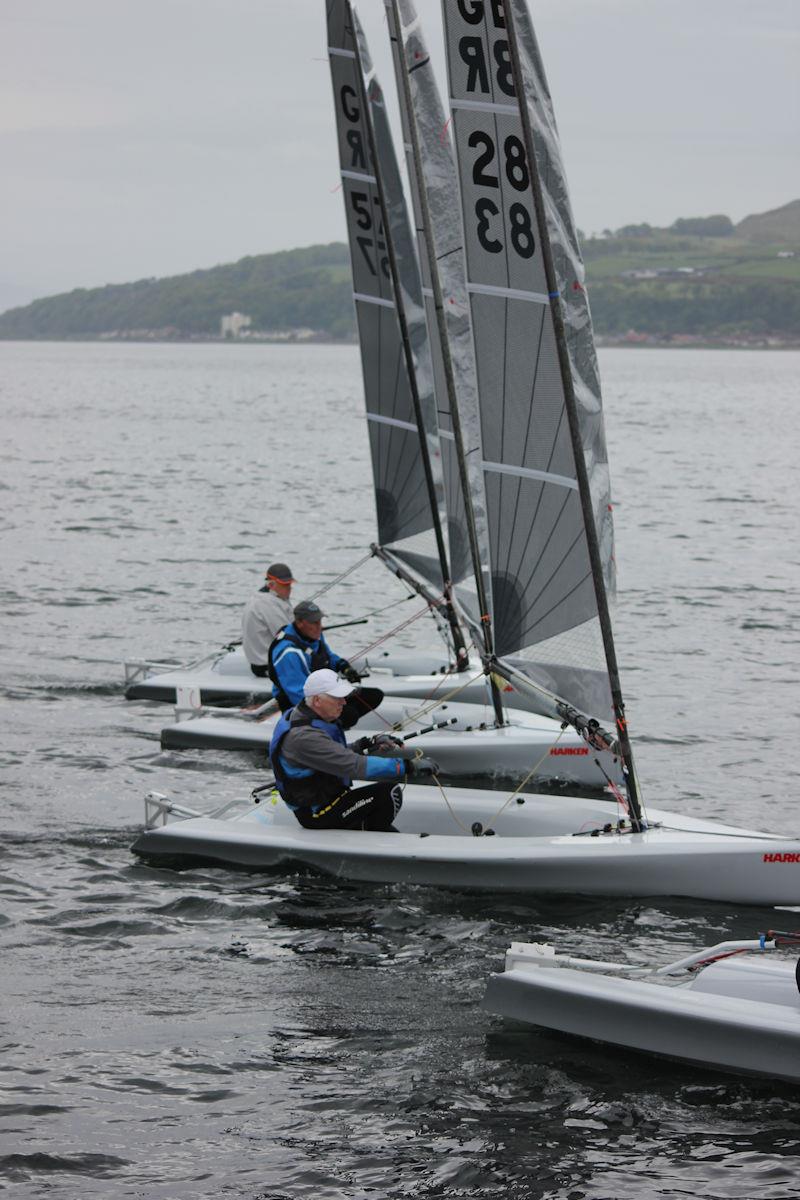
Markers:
{"x": 401, "y": 492}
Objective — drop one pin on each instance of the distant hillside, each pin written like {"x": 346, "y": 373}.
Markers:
{"x": 779, "y": 225}
{"x": 295, "y": 289}
{"x": 672, "y": 285}
{"x": 703, "y": 279}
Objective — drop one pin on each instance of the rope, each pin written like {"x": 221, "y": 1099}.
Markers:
{"x": 530, "y": 774}
{"x": 428, "y": 706}
{"x": 379, "y": 641}
{"x": 343, "y": 575}
{"x": 490, "y": 823}
{"x": 752, "y": 837}
{"x": 377, "y": 611}
{"x": 450, "y": 808}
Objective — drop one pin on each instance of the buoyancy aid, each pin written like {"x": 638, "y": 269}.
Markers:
{"x": 314, "y": 655}
{"x": 301, "y": 787}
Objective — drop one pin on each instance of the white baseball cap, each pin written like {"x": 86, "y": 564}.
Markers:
{"x": 326, "y": 683}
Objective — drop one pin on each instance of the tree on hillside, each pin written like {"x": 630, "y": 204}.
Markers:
{"x": 716, "y": 226}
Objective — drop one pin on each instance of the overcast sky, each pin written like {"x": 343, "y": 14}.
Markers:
{"x": 152, "y": 137}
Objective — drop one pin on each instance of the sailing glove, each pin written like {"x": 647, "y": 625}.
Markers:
{"x": 350, "y": 673}
{"x": 420, "y": 765}
{"x": 381, "y": 744}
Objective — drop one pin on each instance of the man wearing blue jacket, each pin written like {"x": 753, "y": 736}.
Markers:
{"x": 315, "y": 768}
{"x": 299, "y": 649}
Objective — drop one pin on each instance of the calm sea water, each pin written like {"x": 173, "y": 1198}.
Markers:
{"x": 208, "y": 1033}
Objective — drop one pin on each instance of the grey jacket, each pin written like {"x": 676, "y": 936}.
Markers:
{"x": 309, "y": 747}
{"x": 264, "y": 617}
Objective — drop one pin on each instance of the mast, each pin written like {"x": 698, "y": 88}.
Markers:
{"x": 420, "y": 196}
{"x": 459, "y": 645}
{"x": 625, "y": 751}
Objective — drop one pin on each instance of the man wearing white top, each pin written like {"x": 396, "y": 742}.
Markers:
{"x": 265, "y": 615}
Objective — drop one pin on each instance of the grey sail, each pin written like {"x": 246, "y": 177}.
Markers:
{"x": 403, "y": 504}
{"x": 415, "y": 80}
{"x": 543, "y": 597}
{"x": 570, "y": 273}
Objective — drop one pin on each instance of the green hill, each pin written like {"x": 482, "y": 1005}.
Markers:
{"x": 701, "y": 280}
{"x": 295, "y": 289}
{"x": 740, "y": 285}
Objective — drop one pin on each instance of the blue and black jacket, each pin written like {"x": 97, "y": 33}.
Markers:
{"x": 292, "y": 658}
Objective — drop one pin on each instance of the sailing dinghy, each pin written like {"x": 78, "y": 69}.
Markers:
{"x": 544, "y": 604}
{"x": 225, "y": 676}
{"x": 491, "y": 841}
{"x": 462, "y": 738}
{"x": 734, "y": 1006}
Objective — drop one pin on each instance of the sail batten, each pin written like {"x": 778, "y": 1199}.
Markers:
{"x": 489, "y": 289}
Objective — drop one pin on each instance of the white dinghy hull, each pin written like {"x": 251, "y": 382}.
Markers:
{"x": 535, "y": 848}
{"x": 739, "y": 1015}
{"x": 228, "y": 679}
{"x": 470, "y": 746}
{"x": 227, "y": 675}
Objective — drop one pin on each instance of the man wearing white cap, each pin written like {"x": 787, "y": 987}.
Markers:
{"x": 315, "y": 768}
{"x": 265, "y": 615}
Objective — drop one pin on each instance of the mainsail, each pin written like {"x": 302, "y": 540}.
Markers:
{"x": 429, "y": 158}
{"x": 395, "y": 352}
{"x": 404, "y": 511}
{"x": 543, "y": 593}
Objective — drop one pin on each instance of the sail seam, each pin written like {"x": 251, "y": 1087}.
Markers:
{"x": 359, "y": 175}
{"x": 392, "y": 421}
{"x": 529, "y": 473}
{"x": 373, "y": 300}
{"x": 339, "y": 53}
{"x": 491, "y": 289}
{"x": 484, "y": 106}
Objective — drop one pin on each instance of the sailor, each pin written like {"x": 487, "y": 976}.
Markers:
{"x": 264, "y": 616}
{"x": 314, "y": 767}
{"x": 299, "y": 649}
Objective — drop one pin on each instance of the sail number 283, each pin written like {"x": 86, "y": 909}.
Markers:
{"x": 512, "y": 163}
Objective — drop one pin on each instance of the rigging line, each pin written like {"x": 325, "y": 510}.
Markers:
{"x": 753, "y": 837}
{"x": 377, "y": 611}
{"x": 524, "y": 454}
{"x": 450, "y": 808}
{"x": 339, "y": 578}
{"x": 490, "y": 823}
{"x": 397, "y": 629}
{"x": 434, "y": 702}
{"x": 429, "y": 705}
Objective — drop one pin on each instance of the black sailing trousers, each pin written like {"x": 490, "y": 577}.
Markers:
{"x": 372, "y": 807}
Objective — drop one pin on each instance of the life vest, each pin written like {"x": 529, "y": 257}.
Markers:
{"x": 302, "y": 787}
{"x": 316, "y": 655}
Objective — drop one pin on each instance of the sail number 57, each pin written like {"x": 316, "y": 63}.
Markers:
{"x": 515, "y": 169}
